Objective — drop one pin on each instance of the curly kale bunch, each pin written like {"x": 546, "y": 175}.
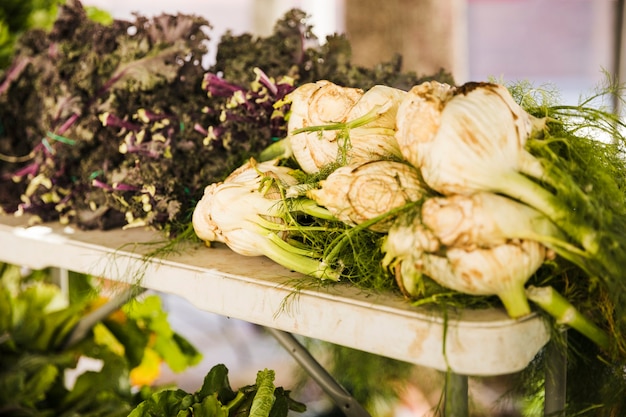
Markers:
{"x": 61, "y": 82}
{"x": 293, "y": 50}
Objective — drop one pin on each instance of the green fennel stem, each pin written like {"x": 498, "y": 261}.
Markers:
{"x": 277, "y": 150}
{"x": 298, "y": 263}
{"x": 302, "y": 251}
{"x": 531, "y": 166}
{"x": 515, "y": 301}
{"x": 521, "y": 188}
{"x": 368, "y": 117}
{"x": 553, "y": 303}
{"x": 338, "y": 243}
{"x": 311, "y": 208}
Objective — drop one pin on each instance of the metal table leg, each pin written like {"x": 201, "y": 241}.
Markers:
{"x": 86, "y": 323}
{"x": 60, "y": 277}
{"x": 556, "y": 378}
{"x": 342, "y": 398}
{"x": 456, "y": 402}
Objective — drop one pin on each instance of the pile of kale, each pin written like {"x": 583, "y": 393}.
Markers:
{"x": 117, "y": 125}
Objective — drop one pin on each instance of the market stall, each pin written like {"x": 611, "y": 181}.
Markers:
{"x": 475, "y": 229}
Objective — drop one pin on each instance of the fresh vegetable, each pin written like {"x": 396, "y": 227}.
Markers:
{"x": 363, "y": 192}
{"x": 318, "y": 104}
{"x": 486, "y": 129}
{"x": 482, "y": 219}
{"x": 120, "y": 124}
{"x": 513, "y": 202}
{"x": 246, "y": 212}
{"x": 52, "y": 108}
{"x": 566, "y": 314}
{"x": 480, "y": 146}
{"x": 501, "y": 270}
{"x": 419, "y": 117}
{"x": 359, "y": 129}
{"x": 372, "y": 125}
{"x": 216, "y": 398}
{"x": 264, "y": 398}
{"x": 467, "y": 223}
{"x": 135, "y": 139}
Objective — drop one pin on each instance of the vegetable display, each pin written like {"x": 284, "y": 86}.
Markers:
{"x": 473, "y": 195}
{"x": 121, "y": 125}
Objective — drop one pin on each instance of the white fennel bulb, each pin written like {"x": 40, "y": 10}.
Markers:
{"x": 318, "y": 104}
{"x": 483, "y": 219}
{"x": 419, "y": 117}
{"x": 369, "y": 192}
{"x": 230, "y": 210}
{"x": 246, "y": 213}
{"x": 479, "y": 144}
{"x": 501, "y": 270}
{"x": 371, "y": 125}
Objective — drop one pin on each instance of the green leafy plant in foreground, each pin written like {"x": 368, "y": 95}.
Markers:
{"x": 217, "y": 399}
{"x": 119, "y": 358}
{"x": 36, "y": 319}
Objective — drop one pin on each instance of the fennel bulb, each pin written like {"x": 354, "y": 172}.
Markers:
{"x": 480, "y": 146}
{"x": 419, "y": 117}
{"x": 484, "y": 219}
{"x": 364, "y": 192}
{"x": 501, "y": 270}
{"x": 371, "y": 125}
{"x": 481, "y": 244}
{"x": 477, "y": 136}
{"x": 229, "y": 211}
{"x": 317, "y": 104}
{"x": 246, "y": 213}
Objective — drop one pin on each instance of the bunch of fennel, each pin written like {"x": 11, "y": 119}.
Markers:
{"x": 479, "y": 188}
{"x": 497, "y": 195}
{"x": 459, "y": 194}
{"x": 246, "y": 212}
{"x": 507, "y": 204}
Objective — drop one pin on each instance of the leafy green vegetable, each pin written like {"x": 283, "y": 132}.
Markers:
{"x": 216, "y": 382}
{"x": 164, "y": 403}
{"x": 216, "y": 399}
{"x": 34, "y": 324}
{"x": 264, "y": 398}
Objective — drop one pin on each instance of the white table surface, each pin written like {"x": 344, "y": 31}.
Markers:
{"x": 255, "y": 289}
